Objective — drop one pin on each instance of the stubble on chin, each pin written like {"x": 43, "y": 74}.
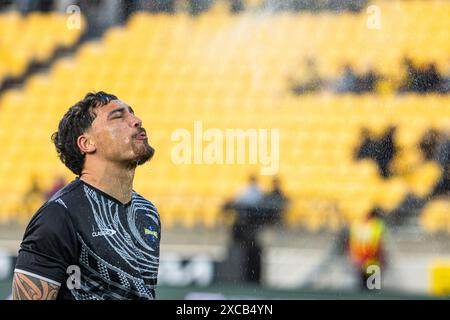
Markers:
{"x": 145, "y": 156}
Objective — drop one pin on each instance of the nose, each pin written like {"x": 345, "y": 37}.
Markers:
{"x": 136, "y": 122}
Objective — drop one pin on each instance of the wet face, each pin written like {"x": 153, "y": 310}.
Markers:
{"x": 118, "y": 135}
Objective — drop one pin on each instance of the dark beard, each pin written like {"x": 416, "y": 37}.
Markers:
{"x": 147, "y": 156}
{"x": 143, "y": 157}
{"x": 149, "y": 152}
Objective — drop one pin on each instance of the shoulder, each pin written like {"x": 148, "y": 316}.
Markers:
{"x": 50, "y": 223}
{"x": 66, "y": 193}
{"x": 143, "y": 202}
{"x": 56, "y": 208}
{"x": 51, "y": 211}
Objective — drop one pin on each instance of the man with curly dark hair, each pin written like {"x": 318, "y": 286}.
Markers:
{"x": 96, "y": 238}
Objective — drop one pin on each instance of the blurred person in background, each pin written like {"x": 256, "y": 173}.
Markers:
{"x": 96, "y": 223}
{"x": 273, "y": 204}
{"x": 442, "y": 187}
{"x": 428, "y": 144}
{"x": 355, "y": 83}
{"x": 445, "y": 83}
{"x": 410, "y": 81}
{"x": 237, "y": 6}
{"x": 26, "y": 6}
{"x": 311, "y": 80}
{"x": 435, "y": 146}
{"x": 432, "y": 79}
{"x": 348, "y": 81}
{"x": 254, "y": 209}
{"x": 443, "y": 150}
{"x": 196, "y": 7}
{"x": 368, "y": 81}
{"x": 166, "y": 6}
{"x": 421, "y": 79}
{"x": 382, "y": 150}
{"x": 365, "y": 246}
{"x": 247, "y": 206}
{"x": 367, "y": 147}
{"x": 251, "y": 194}
{"x": 5, "y": 3}
{"x": 386, "y": 151}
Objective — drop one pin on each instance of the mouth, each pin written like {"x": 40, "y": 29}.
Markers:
{"x": 141, "y": 136}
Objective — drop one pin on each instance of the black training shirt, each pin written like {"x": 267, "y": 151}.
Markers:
{"x": 114, "y": 245}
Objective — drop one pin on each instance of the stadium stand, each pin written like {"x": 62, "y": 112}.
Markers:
{"x": 25, "y": 39}
{"x": 435, "y": 216}
{"x": 175, "y": 69}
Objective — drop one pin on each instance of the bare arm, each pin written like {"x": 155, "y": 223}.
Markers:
{"x": 26, "y": 287}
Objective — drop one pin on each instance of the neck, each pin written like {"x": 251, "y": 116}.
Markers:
{"x": 114, "y": 179}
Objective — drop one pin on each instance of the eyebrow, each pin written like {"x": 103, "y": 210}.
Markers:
{"x": 120, "y": 109}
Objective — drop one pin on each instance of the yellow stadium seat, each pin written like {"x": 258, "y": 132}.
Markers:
{"x": 33, "y": 37}
{"x": 422, "y": 180}
{"x": 231, "y": 71}
{"x": 435, "y": 216}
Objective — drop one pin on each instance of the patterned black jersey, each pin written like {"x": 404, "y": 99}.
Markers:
{"x": 114, "y": 246}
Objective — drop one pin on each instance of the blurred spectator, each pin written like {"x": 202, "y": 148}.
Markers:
{"x": 254, "y": 209}
{"x": 312, "y": 81}
{"x": 351, "y": 82}
{"x": 412, "y": 74}
{"x": 428, "y": 144}
{"x": 166, "y": 6}
{"x": 432, "y": 78}
{"x": 99, "y": 15}
{"x": 26, "y": 6}
{"x": 382, "y": 151}
{"x": 198, "y": 6}
{"x": 405, "y": 214}
{"x": 421, "y": 80}
{"x": 367, "y": 147}
{"x": 443, "y": 150}
{"x": 350, "y": 5}
{"x": 315, "y": 5}
{"x": 59, "y": 183}
{"x": 386, "y": 151}
{"x": 273, "y": 204}
{"x": 4, "y": 4}
{"x": 245, "y": 228}
{"x": 130, "y": 7}
{"x": 367, "y": 82}
{"x": 347, "y": 82}
{"x": 435, "y": 146}
{"x": 251, "y": 195}
{"x": 442, "y": 187}
{"x": 236, "y": 6}
{"x": 366, "y": 246}
{"x": 445, "y": 85}
{"x": 246, "y": 206}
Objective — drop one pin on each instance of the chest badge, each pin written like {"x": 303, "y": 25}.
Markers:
{"x": 151, "y": 233}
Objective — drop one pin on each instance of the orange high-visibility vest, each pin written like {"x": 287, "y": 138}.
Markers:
{"x": 365, "y": 242}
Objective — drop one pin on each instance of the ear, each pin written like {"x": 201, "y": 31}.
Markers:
{"x": 86, "y": 144}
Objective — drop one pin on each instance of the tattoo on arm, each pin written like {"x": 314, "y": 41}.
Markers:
{"x": 31, "y": 288}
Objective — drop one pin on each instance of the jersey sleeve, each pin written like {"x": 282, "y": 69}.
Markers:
{"x": 49, "y": 245}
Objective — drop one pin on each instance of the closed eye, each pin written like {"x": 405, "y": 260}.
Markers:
{"x": 117, "y": 115}
{"x": 119, "y": 112}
